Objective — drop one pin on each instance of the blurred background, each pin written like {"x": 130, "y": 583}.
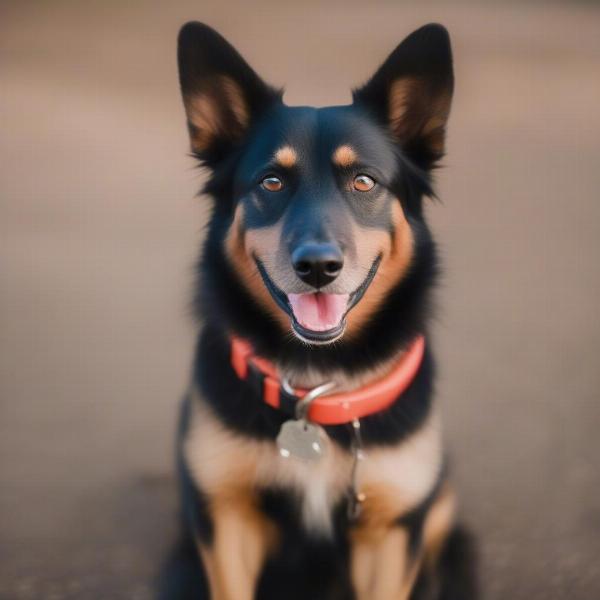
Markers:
{"x": 99, "y": 229}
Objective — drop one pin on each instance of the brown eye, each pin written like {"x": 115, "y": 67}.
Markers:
{"x": 363, "y": 183}
{"x": 272, "y": 183}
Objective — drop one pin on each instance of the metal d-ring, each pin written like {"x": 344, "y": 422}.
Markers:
{"x": 302, "y": 405}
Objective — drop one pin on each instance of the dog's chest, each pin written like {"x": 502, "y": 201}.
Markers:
{"x": 225, "y": 464}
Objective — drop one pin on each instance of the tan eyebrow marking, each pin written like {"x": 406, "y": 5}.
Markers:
{"x": 286, "y": 156}
{"x": 344, "y": 156}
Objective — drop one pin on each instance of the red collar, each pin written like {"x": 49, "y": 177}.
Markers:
{"x": 334, "y": 409}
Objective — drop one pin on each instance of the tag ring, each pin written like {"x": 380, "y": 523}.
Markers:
{"x": 302, "y": 405}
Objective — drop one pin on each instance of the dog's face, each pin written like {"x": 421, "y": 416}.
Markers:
{"x": 316, "y": 217}
{"x": 321, "y": 225}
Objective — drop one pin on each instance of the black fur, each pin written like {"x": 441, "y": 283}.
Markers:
{"x": 225, "y": 303}
{"x": 414, "y": 520}
{"x": 203, "y": 55}
{"x": 426, "y": 57}
{"x": 242, "y": 409}
{"x": 456, "y": 575}
{"x": 182, "y": 575}
{"x": 305, "y": 567}
{"x": 234, "y": 146}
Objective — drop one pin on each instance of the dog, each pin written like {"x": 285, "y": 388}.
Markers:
{"x": 309, "y": 449}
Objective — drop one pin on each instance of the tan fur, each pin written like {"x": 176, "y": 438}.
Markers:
{"x": 235, "y": 101}
{"x": 239, "y": 246}
{"x": 394, "y": 479}
{"x": 225, "y": 464}
{"x": 438, "y": 524}
{"x": 379, "y": 511}
{"x": 381, "y": 568}
{"x": 243, "y": 537}
{"x": 204, "y": 119}
{"x": 435, "y": 126}
{"x": 402, "y": 92}
{"x": 380, "y": 565}
{"x": 205, "y": 112}
{"x": 286, "y": 157}
{"x": 344, "y": 156}
{"x": 394, "y": 265}
{"x": 230, "y": 468}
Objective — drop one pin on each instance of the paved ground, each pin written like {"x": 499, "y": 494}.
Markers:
{"x": 98, "y": 232}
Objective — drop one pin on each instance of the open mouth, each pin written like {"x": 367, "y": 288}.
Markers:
{"x": 318, "y": 317}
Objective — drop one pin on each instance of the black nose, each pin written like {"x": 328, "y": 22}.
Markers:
{"x": 317, "y": 264}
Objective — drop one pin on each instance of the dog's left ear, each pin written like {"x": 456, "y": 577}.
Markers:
{"x": 412, "y": 92}
{"x": 222, "y": 95}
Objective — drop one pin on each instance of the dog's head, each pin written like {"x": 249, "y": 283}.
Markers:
{"x": 319, "y": 208}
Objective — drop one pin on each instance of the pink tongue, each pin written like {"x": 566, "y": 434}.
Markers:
{"x": 319, "y": 311}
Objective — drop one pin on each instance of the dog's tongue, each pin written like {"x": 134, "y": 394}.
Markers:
{"x": 319, "y": 311}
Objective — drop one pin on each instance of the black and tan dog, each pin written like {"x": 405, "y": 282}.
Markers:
{"x": 317, "y": 269}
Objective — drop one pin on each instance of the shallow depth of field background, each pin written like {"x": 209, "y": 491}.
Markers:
{"x": 99, "y": 228}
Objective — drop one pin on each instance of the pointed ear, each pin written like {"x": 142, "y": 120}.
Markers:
{"x": 221, "y": 93}
{"x": 412, "y": 91}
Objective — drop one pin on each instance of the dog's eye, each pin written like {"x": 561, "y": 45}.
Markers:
{"x": 272, "y": 183}
{"x": 363, "y": 183}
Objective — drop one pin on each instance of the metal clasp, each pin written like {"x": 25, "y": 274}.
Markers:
{"x": 303, "y": 405}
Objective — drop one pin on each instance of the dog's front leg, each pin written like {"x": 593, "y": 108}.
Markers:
{"x": 233, "y": 561}
{"x": 388, "y": 554}
{"x": 382, "y": 568}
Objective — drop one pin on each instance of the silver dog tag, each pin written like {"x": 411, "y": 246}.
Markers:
{"x": 301, "y": 439}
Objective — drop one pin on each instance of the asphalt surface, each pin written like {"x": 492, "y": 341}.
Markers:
{"x": 99, "y": 228}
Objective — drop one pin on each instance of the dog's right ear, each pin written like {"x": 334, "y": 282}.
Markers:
{"x": 221, "y": 93}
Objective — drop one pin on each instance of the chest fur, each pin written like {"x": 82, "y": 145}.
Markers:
{"x": 225, "y": 464}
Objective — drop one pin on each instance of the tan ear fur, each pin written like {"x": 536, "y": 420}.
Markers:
{"x": 219, "y": 110}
